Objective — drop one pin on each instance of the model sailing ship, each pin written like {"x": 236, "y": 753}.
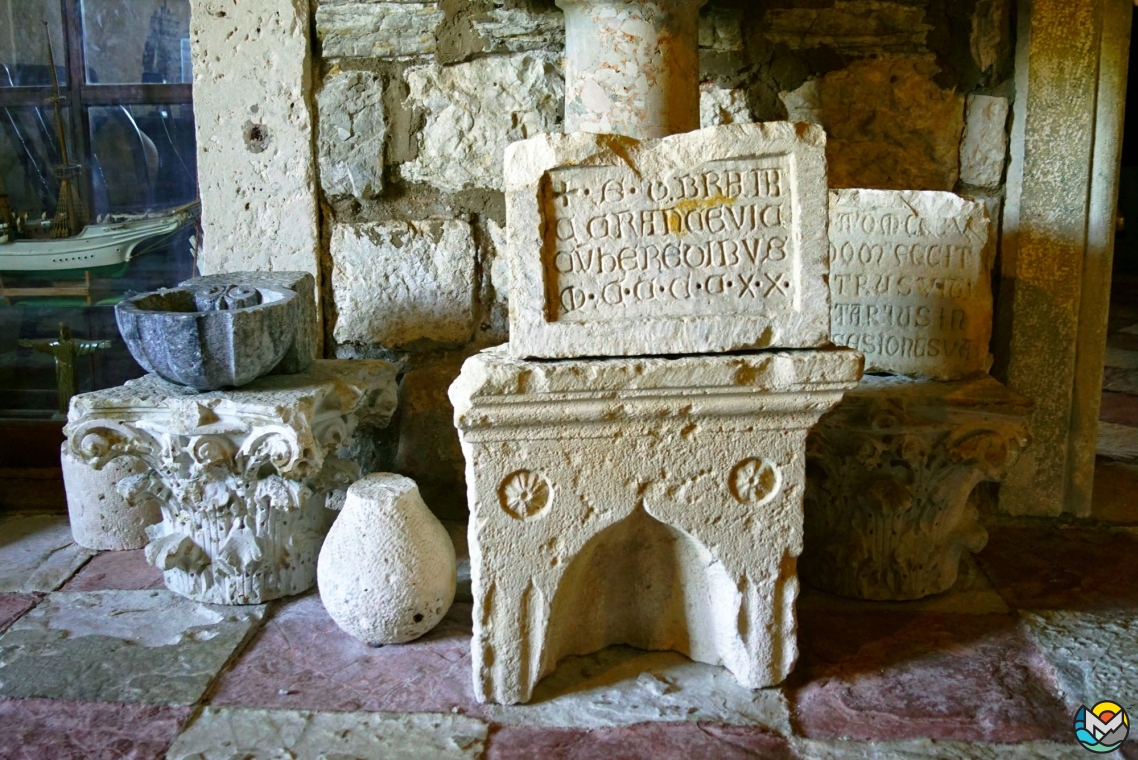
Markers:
{"x": 67, "y": 244}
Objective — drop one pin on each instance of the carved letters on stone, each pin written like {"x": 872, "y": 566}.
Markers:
{"x": 910, "y": 282}
{"x": 704, "y": 242}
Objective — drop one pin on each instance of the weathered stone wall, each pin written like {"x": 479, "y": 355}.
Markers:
{"x": 416, "y": 102}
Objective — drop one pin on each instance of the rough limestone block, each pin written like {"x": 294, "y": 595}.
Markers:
{"x": 697, "y": 243}
{"x": 121, "y": 646}
{"x": 631, "y": 66}
{"x": 503, "y": 29}
{"x": 649, "y": 502}
{"x": 984, "y": 148}
{"x": 428, "y": 451}
{"x": 910, "y": 281}
{"x": 100, "y": 516}
{"x": 395, "y": 283}
{"x": 252, "y": 113}
{"x": 889, "y": 124}
{"x": 387, "y": 569}
{"x": 719, "y": 106}
{"x": 852, "y": 28}
{"x": 243, "y": 476}
{"x": 892, "y": 468}
{"x": 352, "y": 131}
{"x": 463, "y": 141}
{"x": 37, "y": 553}
{"x": 224, "y": 733}
{"x": 376, "y": 29}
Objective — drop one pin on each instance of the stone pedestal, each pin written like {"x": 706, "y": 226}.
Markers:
{"x": 650, "y": 502}
{"x": 889, "y": 477}
{"x": 242, "y": 476}
{"x": 632, "y": 66}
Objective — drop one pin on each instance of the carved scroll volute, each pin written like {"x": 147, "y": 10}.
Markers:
{"x": 992, "y": 448}
{"x": 274, "y": 445}
{"x": 99, "y": 441}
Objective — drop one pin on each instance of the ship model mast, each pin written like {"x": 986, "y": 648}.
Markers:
{"x": 70, "y": 213}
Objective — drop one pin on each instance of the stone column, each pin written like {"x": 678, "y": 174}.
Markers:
{"x": 242, "y": 477}
{"x": 632, "y": 66}
{"x": 890, "y": 472}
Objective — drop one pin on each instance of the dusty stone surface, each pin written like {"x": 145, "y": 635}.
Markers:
{"x": 223, "y": 733}
{"x": 631, "y": 67}
{"x": 910, "y": 281}
{"x": 991, "y": 32}
{"x": 387, "y": 569}
{"x": 395, "y": 283}
{"x": 888, "y": 504}
{"x": 647, "y": 740}
{"x": 61, "y": 730}
{"x": 463, "y": 141}
{"x": 121, "y": 646}
{"x": 117, "y": 571}
{"x": 428, "y": 450}
{"x": 880, "y": 677}
{"x": 938, "y": 750}
{"x": 721, "y": 28}
{"x": 984, "y": 148}
{"x": 972, "y": 594}
{"x": 1095, "y": 655}
{"x": 850, "y": 27}
{"x": 376, "y": 29}
{"x": 100, "y": 517}
{"x": 252, "y": 113}
{"x": 352, "y": 131}
{"x": 500, "y": 27}
{"x": 1045, "y": 568}
{"x": 38, "y": 553}
{"x": 689, "y": 244}
{"x": 242, "y": 477}
{"x": 302, "y": 660}
{"x": 889, "y": 125}
{"x": 581, "y": 477}
{"x": 719, "y": 106}
{"x": 14, "y": 605}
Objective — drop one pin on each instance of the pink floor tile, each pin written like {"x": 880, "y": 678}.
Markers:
{"x": 117, "y": 571}
{"x": 1119, "y": 408}
{"x": 302, "y": 660}
{"x": 892, "y": 676}
{"x": 12, "y": 606}
{"x": 38, "y": 729}
{"x": 1052, "y": 567}
{"x": 644, "y": 741}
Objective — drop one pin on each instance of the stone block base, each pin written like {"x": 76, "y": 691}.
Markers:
{"x": 650, "y": 502}
{"x": 242, "y": 477}
{"x": 890, "y": 473}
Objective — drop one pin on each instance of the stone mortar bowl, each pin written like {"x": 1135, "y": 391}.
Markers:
{"x": 207, "y": 338}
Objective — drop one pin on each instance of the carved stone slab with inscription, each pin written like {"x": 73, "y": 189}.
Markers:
{"x": 910, "y": 281}
{"x": 704, "y": 242}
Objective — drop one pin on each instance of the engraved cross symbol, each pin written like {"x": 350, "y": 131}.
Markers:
{"x": 562, "y": 191}
{"x": 779, "y": 281}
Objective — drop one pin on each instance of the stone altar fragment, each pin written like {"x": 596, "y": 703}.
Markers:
{"x": 651, "y": 502}
{"x": 890, "y": 471}
{"x": 100, "y": 517}
{"x": 704, "y": 242}
{"x": 910, "y": 281}
{"x": 387, "y": 571}
{"x": 242, "y": 476}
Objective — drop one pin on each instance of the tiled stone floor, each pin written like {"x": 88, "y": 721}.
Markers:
{"x": 98, "y": 660}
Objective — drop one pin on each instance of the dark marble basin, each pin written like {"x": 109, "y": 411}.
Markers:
{"x": 223, "y": 330}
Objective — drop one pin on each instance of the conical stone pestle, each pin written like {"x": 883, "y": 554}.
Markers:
{"x": 387, "y": 569}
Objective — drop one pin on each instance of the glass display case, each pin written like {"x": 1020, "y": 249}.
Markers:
{"x": 98, "y": 184}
